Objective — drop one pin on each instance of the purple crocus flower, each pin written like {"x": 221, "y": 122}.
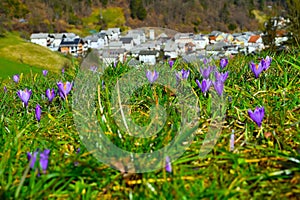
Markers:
{"x": 258, "y": 115}
{"x": 45, "y": 72}
{"x": 171, "y": 63}
{"x": 38, "y": 112}
{"x": 32, "y": 158}
{"x": 168, "y": 166}
{"x": 63, "y": 70}
{"x": 5, "y": 89}
{"x": 206, "y": 71}
{"x": 44, "y": 156}
{"x": 219, "y": 87}
{"x": 43, "y": 159}
{"x": 206, "y": 61}
{"x": 152, "y": 76}
{"x": 223, "y": 63}
{"x": 64, "y": 88}
{"x": 24, "y": 96}
{"x": 266, "y": 63}
{"x": 221, "y": 76}
{"x": 256, "y": 68}
{"x": 50, "y": 94}
{"x": 204, "y": 85}
{"x": 16, "y": 78}
{"x": 183, "y": 74}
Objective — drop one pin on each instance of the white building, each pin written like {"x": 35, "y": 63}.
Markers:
{"x": 39, "y": 38}
{"x": 200, "y": 41}
{"x": 148, "y": 57}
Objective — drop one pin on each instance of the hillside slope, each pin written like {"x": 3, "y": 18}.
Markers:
{"x": 22, "y": 54}
{"x": 180, "y": 15}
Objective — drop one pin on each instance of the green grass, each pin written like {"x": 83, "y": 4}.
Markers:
{"x": 9, "y": 68}
{"x": 24, "y": 55}
{"x": 260, "y": 167}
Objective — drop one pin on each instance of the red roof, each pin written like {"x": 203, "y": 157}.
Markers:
{"x": 254, "y": 38}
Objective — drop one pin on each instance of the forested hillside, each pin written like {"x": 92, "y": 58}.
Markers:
{"x": 181, "y": 15}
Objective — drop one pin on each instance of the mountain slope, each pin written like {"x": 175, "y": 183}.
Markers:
{"x": 180, "y": 15}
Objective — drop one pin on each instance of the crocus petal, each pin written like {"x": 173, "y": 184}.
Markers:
{"x": 24, "y": 96}
{"x": 152, "y": 76}
{"x": 256, "y": 69}
{"x": 257, "y": 116}
{"x": 45, "y": 72}
{"x": 185, "y": 73}
{"x": 50, "y": 94}
{"x": 221, "y": 76}
{"x": 171, "y": 63}
{"x": 16, "y": 78}
{"x": 64, "y": 88}
{"x": 223, "y": 62}
{"x": 219, "y": 87}
{"x": 168, "y": 166}
{"x": 204, "y": 85}
{"x": 32, "y": 158}
{"x": 207, "y": 71}
{"x": 267, "y": 63}
{"x": 44, "y": 156}
{"x": 206, "y": 61}
{"x": 38, "y": 112}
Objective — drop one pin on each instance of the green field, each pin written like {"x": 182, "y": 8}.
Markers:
{"x": 20, "y": 56}
{"x": 9, "y": 68}
{"x": 263, "y": 164}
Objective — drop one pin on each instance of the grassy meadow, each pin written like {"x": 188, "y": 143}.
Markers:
{"x": 263, "y": 164}
{"x": 20, "y": 56}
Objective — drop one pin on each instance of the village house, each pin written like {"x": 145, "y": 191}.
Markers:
{"x": 255, "y": 43}
{"x": 56, "y": 39}
{"x": 115, "y": 45}
{"x": 40, "y": 38}
{"x": 162, "y": 38}
{"x": 113, "y": 33}
{"x": 183, "y": 38}
{"x": 74, "y": 46}
{"x": 281, "y": 37}
{"x": 148, "y": 57}
{"x": 189, "y": 48}
{"x": 52, "y": 41}
{"x": 141, "y": 46}
{"x": 170, "y": 49}
{"x": 137, "y": 35}
{"x": 200, "y": 41}
{"x": 216, "y": 48}
{"x": 110, "y": 56}
{"x": 96, "y": 42}
{"x": 127, "y": 43}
